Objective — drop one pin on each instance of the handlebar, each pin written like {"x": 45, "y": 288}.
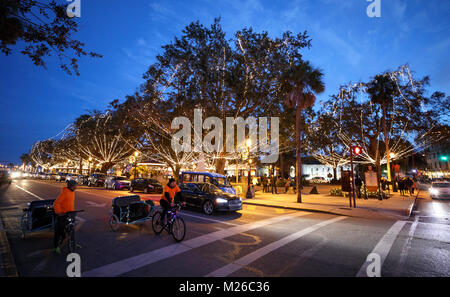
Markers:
{"x": 74, "y": 212}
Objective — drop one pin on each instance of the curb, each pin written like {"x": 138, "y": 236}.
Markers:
{"x": 294, "y": 208}
{"x": 413, "y": 205}
{"x": 324, "y": 211}
{"x": 7, "y": 264}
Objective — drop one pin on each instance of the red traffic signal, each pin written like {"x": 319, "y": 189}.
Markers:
{"x": 356, "y": 150}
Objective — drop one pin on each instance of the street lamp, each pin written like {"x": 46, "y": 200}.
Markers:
{"x": 136, "y": 154}
{"x": 68, "y": 162}
{"x": 248, "y": 144}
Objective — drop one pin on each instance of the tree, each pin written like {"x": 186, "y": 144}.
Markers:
{"x": 382, "y": 90}
{"x": 45, "y": 28}
{"x": 302, "y": 80}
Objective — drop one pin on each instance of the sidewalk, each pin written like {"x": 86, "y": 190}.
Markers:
{"x": 396, "y": 207}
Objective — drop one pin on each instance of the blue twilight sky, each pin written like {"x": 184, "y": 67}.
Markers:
{"x": 347, "y": 45}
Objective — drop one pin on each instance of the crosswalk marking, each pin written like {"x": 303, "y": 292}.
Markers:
{"x": 246, "y": 260}
{"x": 133, "y": 263}
{"x": 383, "y": 246}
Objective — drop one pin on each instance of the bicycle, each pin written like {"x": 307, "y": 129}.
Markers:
{"x": 69, "y": 230}
{"x": 175, "y": 225}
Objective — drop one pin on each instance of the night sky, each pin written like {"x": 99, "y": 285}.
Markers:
{"x": 38, "y": 103}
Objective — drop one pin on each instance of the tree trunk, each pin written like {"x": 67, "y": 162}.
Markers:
{"x": 386, "y": 141}
{"x": 335, "y": 173}
{"x": 298, "y": 131}
{"x": 220, "y": 165}
{"x": 282, "y": 166}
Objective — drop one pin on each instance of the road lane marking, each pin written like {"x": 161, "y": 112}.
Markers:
{"x": 246, "y": 260}
{"x": 139, "y": 261}
{"x": 34, "y": 195}
{"x": 406, "y": 246}
{"x": 383, "y": 246}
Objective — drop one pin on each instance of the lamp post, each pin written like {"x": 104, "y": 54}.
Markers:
{"x": 248, "y": 144}
{"x": 391, "y": 156}
{"x": 136, "y": 154}
{"x": 68, "y": 162}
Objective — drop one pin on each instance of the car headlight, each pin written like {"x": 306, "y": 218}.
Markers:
{"x": 15, "y": 174}
{"x": 434, "y": 191}
{"x": 221, "y": 200}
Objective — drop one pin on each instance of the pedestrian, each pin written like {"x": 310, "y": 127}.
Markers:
{"x": 358, "y": 185}
{"x": 401, "y": 186}
{"x": 287, "y": 185}
{"x": 293, "y": 186}
{"x": 414, "y": 186}
{"x": 274, "y": 184}
{"x": 265, "y": 184}
{"x": 409, "y": 185}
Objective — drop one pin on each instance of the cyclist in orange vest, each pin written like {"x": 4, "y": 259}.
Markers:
{"x": 63, "y": 204}
{"x": 170, "y": 195}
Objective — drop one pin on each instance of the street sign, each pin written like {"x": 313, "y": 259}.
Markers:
{"x": 371, "y": 180}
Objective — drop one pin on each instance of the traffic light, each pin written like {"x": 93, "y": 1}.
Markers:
{"x": 356, "y": 150}
{"x": 443, "y": 158}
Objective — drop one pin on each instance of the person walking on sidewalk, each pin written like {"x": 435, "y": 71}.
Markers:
{"x": 409, "y": 185}
{"x": 274, "y": 184}
{"x": 358, "y": 185}
{"x": 265, "y": 184}
{"x": 287, "y": 184}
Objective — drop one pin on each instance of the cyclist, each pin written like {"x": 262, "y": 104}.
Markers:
{"x": 170, "y": 195}
{"x": 64, "y": 203}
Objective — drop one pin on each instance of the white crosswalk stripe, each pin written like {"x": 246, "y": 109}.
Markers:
{"x": 133, "y": 263}
{"x": 246, "y": 260}
{"x": 383, "y": 246}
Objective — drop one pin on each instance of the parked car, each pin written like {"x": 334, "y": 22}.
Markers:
{"x": 117, "y": 183}
{"x": 219, "y": 180}
{"x": 96, "y": 180}
{"x": 318, "y": 180}
{"x": 440, "y": 190}
{"x": 147, "y": 185}
{"x": 209, "y": 198}
{"x": 82, "y": 180}
{"x": 60, "y": 176}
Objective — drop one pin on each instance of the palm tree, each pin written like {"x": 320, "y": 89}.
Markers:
{"x": 382, "y": 91}
{"x": 301, "y": 81}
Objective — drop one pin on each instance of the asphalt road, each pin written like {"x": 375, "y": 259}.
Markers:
{"x": 257, "y": 241}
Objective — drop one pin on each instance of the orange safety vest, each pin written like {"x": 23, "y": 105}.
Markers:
{"x": 171, "y": 191}
{"x": 65, "y": 201}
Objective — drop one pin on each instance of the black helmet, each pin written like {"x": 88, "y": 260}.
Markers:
{"x": 71, "y": 183}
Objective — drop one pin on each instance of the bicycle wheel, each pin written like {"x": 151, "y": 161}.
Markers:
{"x": 178, "y": 229}
{"x": 156, "y": 225}
{"x": 24, "y": 224}
{"x": 114, "y": 222}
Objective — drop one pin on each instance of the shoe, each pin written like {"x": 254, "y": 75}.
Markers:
{"x": 58, "y": 250}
